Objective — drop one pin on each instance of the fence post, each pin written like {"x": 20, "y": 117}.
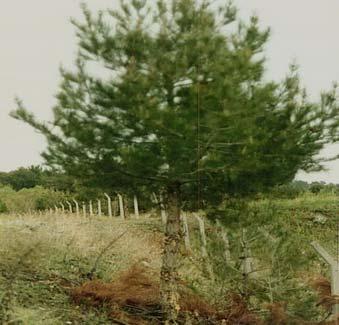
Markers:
{"x": 224, "y": 237}
{"x": 84, "y": 209}
{"x": 62, "y": 207}
{"x": 154, "y": 198}
{"x": 332, "y": 262}
{"x": 109, "y": 205}
{"x": 160, "y": 203}
{"x": 163, "y": 211}
{"x": 90, "y": 208}
{"x": 136, "y": 207}
{"x": 69, "y": 206}
{"x": 99, "y": 208}
{"x": 202, "y": 235}
{"x": 204, "y": 253}
{"x": 126, "y": 208}
{"x": 121, "y": 207}
{"x": 56, "y": 209}
{"x": 247, "y": 261}
{"x": 76, "y": 207}
{"x": 186, "y": 231}
{"x": 115, "y": 206}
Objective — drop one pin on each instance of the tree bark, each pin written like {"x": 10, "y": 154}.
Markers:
{"x": 170, "y": 258}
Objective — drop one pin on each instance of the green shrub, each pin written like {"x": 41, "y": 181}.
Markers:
{"x": 287, "y": 191}
{"x": 3, "y": 207}
{"x": 37, "y": 198}
{"x": 278, "y": 233}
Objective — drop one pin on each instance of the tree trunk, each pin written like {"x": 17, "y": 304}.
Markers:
{"x": 170, "y": 258}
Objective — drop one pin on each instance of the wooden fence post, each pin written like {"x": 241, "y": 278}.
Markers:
{"x": 121, "y": 207}
{"x": 333, "y": 263}
{"x": 99, "y": 208}
{"x": 109, "y": 205}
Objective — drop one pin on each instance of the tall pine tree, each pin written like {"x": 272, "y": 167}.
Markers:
{"x": 175, "y": 97}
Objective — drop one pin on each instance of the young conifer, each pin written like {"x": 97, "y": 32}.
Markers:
{"x": 174, "y": 96}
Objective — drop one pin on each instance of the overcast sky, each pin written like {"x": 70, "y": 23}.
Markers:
{"x": 36, "y": 37}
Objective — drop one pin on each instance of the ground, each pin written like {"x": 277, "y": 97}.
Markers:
{"x": 44, "y": 257}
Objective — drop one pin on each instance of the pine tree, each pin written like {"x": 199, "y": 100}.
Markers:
{"x": 174, "y": 97}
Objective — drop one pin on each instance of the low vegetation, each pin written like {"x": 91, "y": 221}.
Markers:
{"x": 62, "y": 269}
{"x": 43, "y": 258}
{"x": 29, "y": 199}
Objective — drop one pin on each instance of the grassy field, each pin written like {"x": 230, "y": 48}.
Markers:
{"x": 44, "y": 257}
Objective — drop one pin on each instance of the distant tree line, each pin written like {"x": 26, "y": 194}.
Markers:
{"x": 30, "y": 177}
{"x": 297, "y": 188}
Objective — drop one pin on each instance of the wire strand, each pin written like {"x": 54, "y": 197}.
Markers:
{"x": 198, "y": 123}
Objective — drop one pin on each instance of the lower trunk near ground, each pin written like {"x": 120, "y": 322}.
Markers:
{"x": 170, "y": 259}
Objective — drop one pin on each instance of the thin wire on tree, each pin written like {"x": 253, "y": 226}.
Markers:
{"x": 198, "y": 123}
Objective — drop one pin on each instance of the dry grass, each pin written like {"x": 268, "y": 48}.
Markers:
{"x": 42, "y": 257}
{"x": 83, "y": 237}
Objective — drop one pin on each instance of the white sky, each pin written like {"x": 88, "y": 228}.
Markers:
{"x": 36, "y": 37}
